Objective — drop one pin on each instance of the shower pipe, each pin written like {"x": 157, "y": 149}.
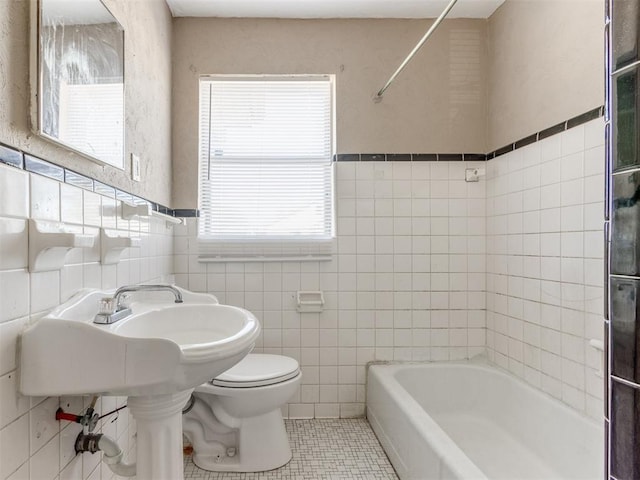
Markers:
{"x": 378, "y": 96}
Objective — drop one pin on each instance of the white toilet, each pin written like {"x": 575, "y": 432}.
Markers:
{"x": 235, "y": 423}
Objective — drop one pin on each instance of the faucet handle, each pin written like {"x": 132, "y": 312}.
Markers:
{"x": 107, "y": 306}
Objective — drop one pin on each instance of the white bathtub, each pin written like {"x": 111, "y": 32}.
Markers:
{"x": 473, "y": 421}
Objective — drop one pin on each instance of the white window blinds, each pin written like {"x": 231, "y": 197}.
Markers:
{"x": 266, "y": 176}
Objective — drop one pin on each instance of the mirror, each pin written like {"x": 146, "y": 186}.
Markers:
{"x": 80, "y": 78}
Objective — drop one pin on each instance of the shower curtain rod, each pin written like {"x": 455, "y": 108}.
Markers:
{"x": 406, "y": 61}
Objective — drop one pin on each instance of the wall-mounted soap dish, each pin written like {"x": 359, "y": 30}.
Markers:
{"x": 49, "y": 243}
{"x": 112, "y": 245}
{"x": 130, "y": 211}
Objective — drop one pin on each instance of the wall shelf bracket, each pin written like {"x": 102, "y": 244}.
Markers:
{"x": 112, "y": 245}
{"x": 49, "y": 243}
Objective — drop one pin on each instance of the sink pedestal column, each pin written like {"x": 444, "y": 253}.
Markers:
{"x": 159, "y": 438}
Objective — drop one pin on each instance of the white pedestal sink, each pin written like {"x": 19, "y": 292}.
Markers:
{"x": 155, "y": 356}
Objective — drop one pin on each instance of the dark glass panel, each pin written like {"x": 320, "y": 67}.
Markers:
{"x": 625, "y": 432}
{"x": 625, "y": 120}
{"x": 625, "y": 28}
{"x": 625, "y": 225}
{"x": 625, "y": 338}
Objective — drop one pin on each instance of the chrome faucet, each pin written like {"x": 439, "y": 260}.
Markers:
{"x": 112, "y": 310}
{"x": 141, "y": 288}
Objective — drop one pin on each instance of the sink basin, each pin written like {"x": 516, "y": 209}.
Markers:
{"x": 190, "y": 326}
{"x": 161, "y": 348}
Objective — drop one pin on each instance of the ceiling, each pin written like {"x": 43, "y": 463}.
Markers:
{"x": 331, "y": 8}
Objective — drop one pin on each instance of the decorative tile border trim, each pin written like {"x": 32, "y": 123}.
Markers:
{"x": 24, "y": 161}
{"x": 471, "y": 157}
{"x": 548, "y": 132}
{"x": 409, "y": 157}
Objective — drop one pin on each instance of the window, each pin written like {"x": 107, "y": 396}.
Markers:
{"x": 266, "y": 173}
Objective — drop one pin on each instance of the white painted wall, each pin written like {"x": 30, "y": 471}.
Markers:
{"x": 438, "y": 104}
{"x": 546, "y": 65}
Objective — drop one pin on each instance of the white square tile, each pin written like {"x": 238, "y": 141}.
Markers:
{"x": 12, "y": 403}
{"x": 573, "y": 140}
{"x": 571, "y": 218}
{"x": 594, "y": 161}
{"x": 594, "y": 133}
{"x": 550, "y": 268}
{"x": 73, "y": 470}
{"x": 572, "y": 270}
{"x": 301, "y": 410}
{"x": 550, "y": 196}
{"x": 550, "y": 220}
{"x": 594, "y": 244}
{"x": 439, "y": 170}
{"x": 43, "y": 425}
{"x": 14, "y": 446}
{"x": 14, "y": 192}
{"x": 531, "y": 200}
{"x": 550, "y": 172}
{"x": 71, "y": 281}
{"x": 382, "y": 189}
{"x": 531, "y": 177}
{"x": 9, "y": 332}
{"x": 46, "y": 290}
{"x": 364, "y": 171}
{"x": 45, "y": 198}
{"x": 92, "y": 209}
{"x": 71, "y": 204}
{"x": 346, "y": 170}
{"x": 13, "y": 243}
{"x": 365, "y": 207}
{"x": 573, "y": 375}
{"x": 594, "y": 189}
{"x": 550, "y": 148}
{"x": 21, "y": 474}
{"x": 364, "y": 189}
{"x": 593, "y": 272}
{"x": 14, "y": 294}
{"x": 593, "y": 216}
{"x": 573, "y": 192}
{"x": 45, "y": 463}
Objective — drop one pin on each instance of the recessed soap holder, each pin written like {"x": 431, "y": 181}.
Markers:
{"x": 112, "y": 245}
{"x": 309, "y": 301}
{"x": 49, "y": 243}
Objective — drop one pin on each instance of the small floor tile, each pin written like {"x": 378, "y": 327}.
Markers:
{"x": 327, "y": 449}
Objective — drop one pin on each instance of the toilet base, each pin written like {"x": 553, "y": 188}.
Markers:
{"x": 262, "y": 445}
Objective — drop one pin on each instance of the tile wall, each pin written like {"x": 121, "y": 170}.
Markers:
{"x": 545, "y": 247}
{"x": 407, "y": 282}
{"x": 32, "y": 443}
{"x": 428, "y": 267}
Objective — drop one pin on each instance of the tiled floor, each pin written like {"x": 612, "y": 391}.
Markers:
{"x": 330, "y": 449}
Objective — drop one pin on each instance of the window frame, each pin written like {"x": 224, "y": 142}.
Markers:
{"x": 263, "y": 247}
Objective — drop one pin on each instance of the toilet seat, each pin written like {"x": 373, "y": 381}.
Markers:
{"x": 258, "y": 370}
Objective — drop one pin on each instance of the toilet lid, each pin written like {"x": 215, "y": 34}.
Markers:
{"x": 258, "y": 369}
